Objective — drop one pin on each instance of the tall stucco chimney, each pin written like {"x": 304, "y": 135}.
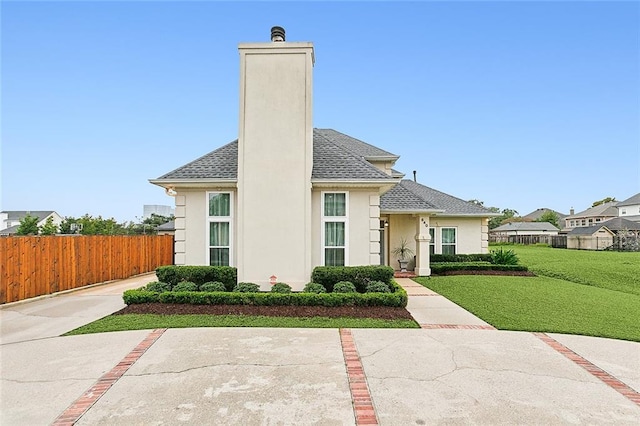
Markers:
{"x": 275, "y": 159}
{"x": 572, "y": 212}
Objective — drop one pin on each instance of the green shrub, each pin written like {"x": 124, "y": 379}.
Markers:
{"x": 439, "y": 268}
{"x": 504, "y": 257}
{"x": 477, "y": 257}
{"x": 158, "y": 287}
{"x": 173, "y": 274}
{"x": 213, "y": 286}
{"x": 360, "y": 276}
{"x": 185, "y": 286}
{"x": 281, "y": 288}
{"x": 378, "y": 287}
{"x": 344, "y": 287}
{"x": 133, "y": 297}
{"x": 246, "y": 288}
{"x": 314, "y": 288}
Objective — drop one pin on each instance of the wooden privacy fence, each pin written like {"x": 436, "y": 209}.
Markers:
{"x": 33, "y": 266}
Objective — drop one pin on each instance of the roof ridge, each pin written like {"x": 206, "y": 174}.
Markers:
{"x": 362, "y": 142}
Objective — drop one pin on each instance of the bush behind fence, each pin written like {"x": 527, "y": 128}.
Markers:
{"x": 38, "y": 265}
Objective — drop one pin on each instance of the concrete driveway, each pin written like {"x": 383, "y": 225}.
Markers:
{"x": 445, "y": 373}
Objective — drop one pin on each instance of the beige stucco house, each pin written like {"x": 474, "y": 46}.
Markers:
{"x": 285, "y": 197}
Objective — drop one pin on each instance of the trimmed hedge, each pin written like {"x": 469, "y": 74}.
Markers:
{"x": 438, "y": 268}
{"x": 173, "y": 274}
{"x": 478, "y": 257}
{"x": 360, "y": 276}
{"x": 398, "y": 298}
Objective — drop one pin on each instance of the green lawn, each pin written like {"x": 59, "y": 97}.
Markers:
{"x": 543, "y": 304}
{"x": 606, "y": 269}
{"x": 149, "y": 321}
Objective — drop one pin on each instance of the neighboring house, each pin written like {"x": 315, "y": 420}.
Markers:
{"x": 630, "y": 208}
{"x": 524, "y": 228}
{"x": 286, "y": 197}
{"x": 537, "y": 214}
{"x": 10, "y": 220}
{"x": 168, "y": 228}
{"x": 160, "y": 210}
{"x": 591, "y": 217}
{"x": 597, "y": 237}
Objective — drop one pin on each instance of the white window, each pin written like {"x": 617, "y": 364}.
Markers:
{"x": 335, "y": 206}
{"x": 219, "y": 228}
{"x": 448, "y": 240}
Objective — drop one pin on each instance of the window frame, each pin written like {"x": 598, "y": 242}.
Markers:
{"x": 332, "y": 219}
{"x": 219, "y": 219}
{"x": 455, "y": 243}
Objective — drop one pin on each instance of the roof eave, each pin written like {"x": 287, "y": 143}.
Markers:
{"x": 194, "y": 183}
{"x": 471, "y": 214}
{"x": 393, "y": 158}
{"x": 410, "y": 211}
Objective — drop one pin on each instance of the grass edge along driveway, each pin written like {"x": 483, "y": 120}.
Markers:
{"x": 543, "y": 304}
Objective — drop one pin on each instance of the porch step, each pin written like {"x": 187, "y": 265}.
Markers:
{"x": 398, "y": 274}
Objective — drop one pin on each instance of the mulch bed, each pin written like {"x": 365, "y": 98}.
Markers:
{"x": 380, "y": 312}
{"x": 505, "y": 273}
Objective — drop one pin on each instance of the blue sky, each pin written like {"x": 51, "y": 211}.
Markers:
{"x": 518, "y": 104}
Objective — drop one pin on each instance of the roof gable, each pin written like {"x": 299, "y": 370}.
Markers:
{"x": 353, "y": 145}
{"x": 21, "y": 214}
{"x": 412, "y": 196}
{"x": 634, "y": 199}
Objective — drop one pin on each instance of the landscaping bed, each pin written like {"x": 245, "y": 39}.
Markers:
{"x": 379, "y": 312}
{"x": 495, "y": 272}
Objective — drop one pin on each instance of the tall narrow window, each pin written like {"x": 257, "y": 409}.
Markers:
{"x": 432, "y": 243}
{"x": 334, "y": 228}
{"x": 219, "y": 229}
{"x": 448, "y": 240}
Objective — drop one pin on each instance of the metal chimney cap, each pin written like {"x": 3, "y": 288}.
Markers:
{"x": 277, "y": 34}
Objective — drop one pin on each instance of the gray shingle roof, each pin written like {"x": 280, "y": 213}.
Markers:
{"x": 621, "y": 224}
{"x": 332, "y": 161}
{"x": 634, "y": 199}
{"x": 168, "y": 226}
{"x": 355, "y": 146}
{"x": 525, "y": 226}
{"x": 21, "y": 214}
{"x": 586, "y": 230}
{"x": 219, "y": 164}
{"x": 536, "y": 214}
{"x": 335, "y": 156}
{"x": 411, "y": 196}
{"x": 606, "y": 209}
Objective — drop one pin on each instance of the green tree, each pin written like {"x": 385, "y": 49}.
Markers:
{"x": 508, "y": 215}
{"x": 551, "y": 217}
{"x": 69, "y": 225}
{"x": 604, "y": 200}
{"x": 49, "y": 228}
{"x": 28, "y": 225}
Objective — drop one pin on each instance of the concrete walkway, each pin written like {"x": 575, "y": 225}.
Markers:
{"x": 51, "y": 316}
{"x": 257, "y": 376}
{"x": 431, "y": 310}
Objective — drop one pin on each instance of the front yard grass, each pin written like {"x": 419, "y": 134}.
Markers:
{"x": 543, "y": 304}
{"x": 606, "y": 269}
{"x": 151, "y": 321}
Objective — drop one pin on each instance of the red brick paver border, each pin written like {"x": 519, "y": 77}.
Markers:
{"x": 457, "y": 326}
{"x": 362, "y": 404}
{"x": 593, "y": 369}
{"x": 80, "y": 406}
